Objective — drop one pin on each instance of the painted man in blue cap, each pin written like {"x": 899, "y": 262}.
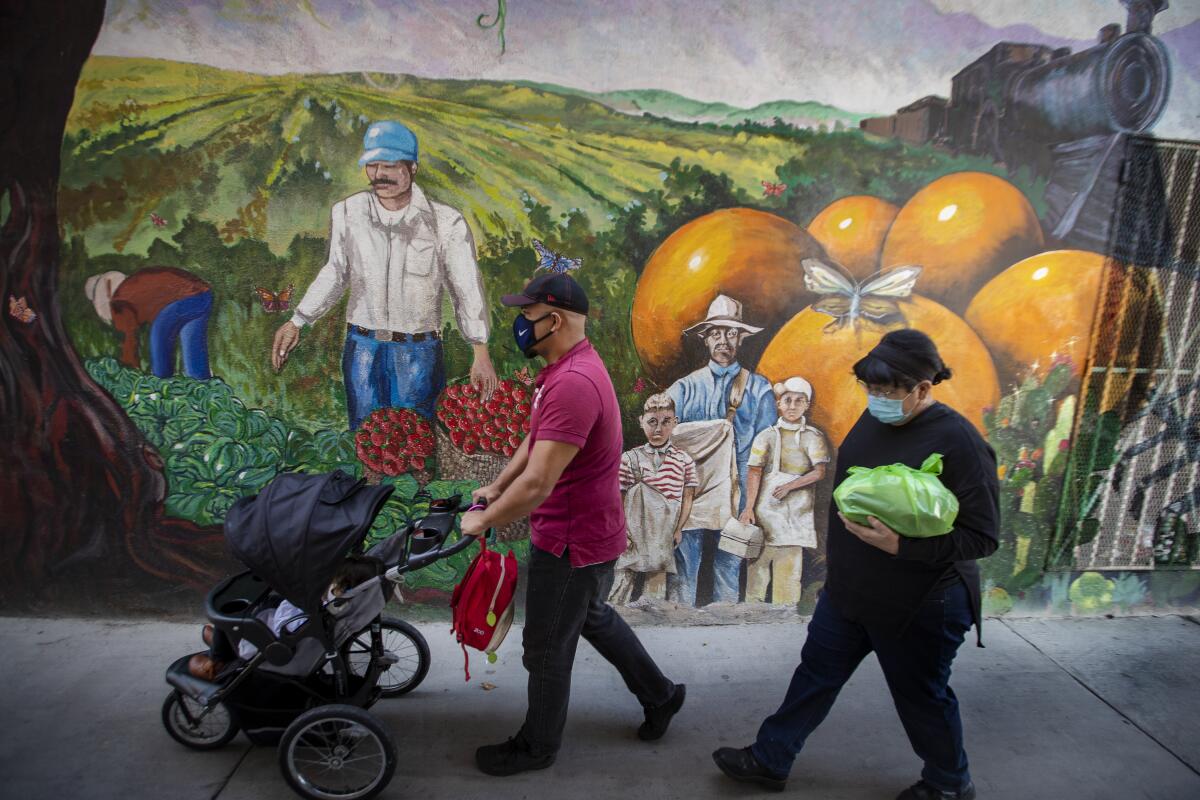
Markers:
{"x": 397, "y": 252}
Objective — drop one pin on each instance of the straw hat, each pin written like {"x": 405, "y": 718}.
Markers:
{"x": 724, "y": 312}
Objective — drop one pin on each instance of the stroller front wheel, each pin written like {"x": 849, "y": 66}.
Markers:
{"x": 180, "y": 717}
{"x": 404, "y": 642}
{"x": 337, "y": 752}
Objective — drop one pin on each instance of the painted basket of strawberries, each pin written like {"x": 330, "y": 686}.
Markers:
{"x": 393, "y": 441}
{"x": 476, "y": 438}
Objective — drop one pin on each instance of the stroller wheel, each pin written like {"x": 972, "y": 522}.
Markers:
{"x": 215, "y": 729}
{"x": 337, "y": 752}
{"x": 403, "y": 641}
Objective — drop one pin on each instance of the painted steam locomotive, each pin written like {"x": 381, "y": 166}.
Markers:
{"x": 1066, "y": 115}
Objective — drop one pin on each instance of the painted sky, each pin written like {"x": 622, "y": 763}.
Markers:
{"x": 860, "y": 55}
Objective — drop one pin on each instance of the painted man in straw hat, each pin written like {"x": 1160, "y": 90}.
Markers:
{"x": 721, "y": 390}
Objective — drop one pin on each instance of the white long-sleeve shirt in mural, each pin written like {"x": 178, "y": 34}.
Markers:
{"x": 397, "y": 264}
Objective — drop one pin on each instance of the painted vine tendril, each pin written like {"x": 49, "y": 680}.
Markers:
{"x": 497, "y": 22}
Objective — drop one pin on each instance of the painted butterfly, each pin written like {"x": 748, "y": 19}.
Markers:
{"x": 273, "y": 303}
{"x": 847, "y": 301}
{"x": 19, "y": 309}
{"x": 773, "y": 189}
{"x": 549, "y": 260}
{"x": 158, "y": 221}
{"x": 524, "y": 376}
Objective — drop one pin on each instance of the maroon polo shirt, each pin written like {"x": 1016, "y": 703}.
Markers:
{"x": 575, "y": 403}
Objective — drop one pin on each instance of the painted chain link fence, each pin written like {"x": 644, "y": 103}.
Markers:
{"x": 1131, "y": 492}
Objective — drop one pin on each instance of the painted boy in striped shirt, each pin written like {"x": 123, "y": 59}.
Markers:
{"x": 658, "y": 484}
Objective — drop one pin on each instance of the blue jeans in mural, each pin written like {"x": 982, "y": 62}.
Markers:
{"x": 916, "y": 666}
{"x": 727, "y": 569}
{"x": 379, "y": 374}
{"x": 184, "y": 321}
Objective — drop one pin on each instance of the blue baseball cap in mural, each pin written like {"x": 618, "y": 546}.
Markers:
{"x": 388, "y": 140}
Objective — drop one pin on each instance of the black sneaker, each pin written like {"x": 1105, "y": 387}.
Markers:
{"x": 510, "y": 758}
{"x": 658, "y": 718}
{"x": 741, "y": 765}
{"x": 927, "y": 791}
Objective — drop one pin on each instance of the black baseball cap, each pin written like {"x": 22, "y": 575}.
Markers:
{"x": 553, "y": 289}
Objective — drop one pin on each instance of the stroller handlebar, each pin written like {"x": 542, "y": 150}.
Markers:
{"x": 427, "y": 538}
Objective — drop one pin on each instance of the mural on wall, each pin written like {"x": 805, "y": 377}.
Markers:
{"x": 236, "y": 278}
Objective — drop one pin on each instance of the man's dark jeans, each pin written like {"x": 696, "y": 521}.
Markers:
{"x": 562, "y": 602}
{"x": 916, "y": 666}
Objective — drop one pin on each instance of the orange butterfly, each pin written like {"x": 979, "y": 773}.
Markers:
{"x": 523, "y": 376}
{"x": 273, "y": 302}
{"x": 773, "y": 189}
{"x": 21, "y": 310}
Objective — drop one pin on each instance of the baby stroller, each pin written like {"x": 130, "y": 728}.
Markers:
{"x": 308, "y": 689}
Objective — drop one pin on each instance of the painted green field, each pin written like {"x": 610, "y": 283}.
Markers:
{"x": 265, "y": 156}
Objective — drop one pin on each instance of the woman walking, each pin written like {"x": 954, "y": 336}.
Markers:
{"x": 910, "y": 601}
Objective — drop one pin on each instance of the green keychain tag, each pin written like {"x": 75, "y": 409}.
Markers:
{"x": 491, "y": 658}
{"x": 491, "y": 619}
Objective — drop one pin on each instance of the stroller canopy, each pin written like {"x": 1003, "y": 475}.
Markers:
{"x": 298, "y": 530}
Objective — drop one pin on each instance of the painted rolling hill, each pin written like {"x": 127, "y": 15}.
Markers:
{"x": 267, "y": 155}
{"x": 666, "y": 104}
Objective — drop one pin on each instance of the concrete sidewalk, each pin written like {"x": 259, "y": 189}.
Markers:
{"x": 1073, "y": 708}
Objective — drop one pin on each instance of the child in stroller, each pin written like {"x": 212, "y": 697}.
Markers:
{"x": 355, "y": 570}
{"x": 307, "y": 687}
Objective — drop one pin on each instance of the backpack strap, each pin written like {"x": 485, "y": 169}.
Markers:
{"x": 737, "y": 393}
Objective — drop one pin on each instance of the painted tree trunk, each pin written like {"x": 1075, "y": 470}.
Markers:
{"x": 81, "y": 491}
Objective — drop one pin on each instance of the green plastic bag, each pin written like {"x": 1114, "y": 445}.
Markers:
{"x": 911, "y": 502}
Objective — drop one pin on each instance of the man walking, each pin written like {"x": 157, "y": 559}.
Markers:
{"x": 722, "y": 389}
{"x": 397, "y": 252}
{"x": 565, "y": 476}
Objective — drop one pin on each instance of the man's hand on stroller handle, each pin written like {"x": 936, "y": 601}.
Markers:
{"x": 472, "y": 522}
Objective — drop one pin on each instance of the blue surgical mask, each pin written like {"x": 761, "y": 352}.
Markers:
{"x": 887, "y": 410}
{"x": 524, "y": 335}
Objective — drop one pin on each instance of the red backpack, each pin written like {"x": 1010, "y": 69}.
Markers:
{"x": 482, "y": 604}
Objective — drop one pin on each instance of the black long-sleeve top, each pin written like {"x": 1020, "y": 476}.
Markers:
{"x": 876, "y": 588}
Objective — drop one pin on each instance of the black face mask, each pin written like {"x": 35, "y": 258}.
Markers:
{"x": 524, "y": 336}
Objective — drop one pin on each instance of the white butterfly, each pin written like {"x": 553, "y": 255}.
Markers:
{"x": 847, "y": 301}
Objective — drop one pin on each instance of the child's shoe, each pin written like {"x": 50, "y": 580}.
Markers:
{"x": 204, "y": 667}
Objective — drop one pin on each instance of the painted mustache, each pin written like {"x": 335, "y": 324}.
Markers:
{"x": 384, "y": 182}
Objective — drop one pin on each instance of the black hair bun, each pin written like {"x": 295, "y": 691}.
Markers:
{"x": 944, "y": 374}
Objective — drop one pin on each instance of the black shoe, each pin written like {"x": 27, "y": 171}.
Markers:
{"x": 925, "y": 791}
{"x": 659, "y": 717}
{"x": 741, "y": 765}
{"x": 510, "y": 758}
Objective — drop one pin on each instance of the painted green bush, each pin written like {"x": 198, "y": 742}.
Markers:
{"x": 1030, "y": 431}
{"x": 216, "y": 451}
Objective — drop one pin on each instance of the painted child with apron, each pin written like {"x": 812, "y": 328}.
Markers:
{"x": 786, "y": 460}
{"x": 658, "y": 484}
